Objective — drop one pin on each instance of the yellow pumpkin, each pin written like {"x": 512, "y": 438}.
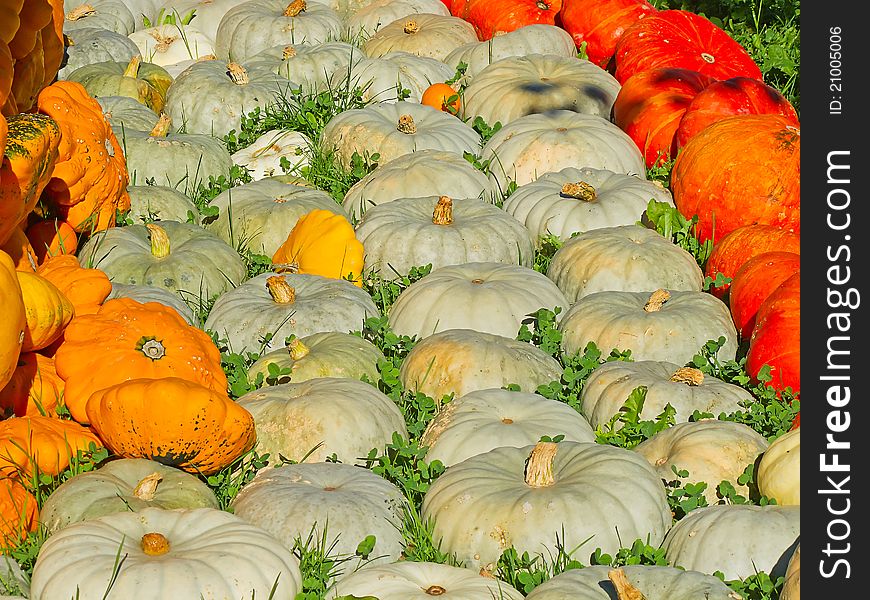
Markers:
{"x": 46, "y": 309}
{"x": 322, "y": 243}
{"x": 12, "y": 323}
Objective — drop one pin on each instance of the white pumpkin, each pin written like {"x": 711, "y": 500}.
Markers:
{"x": 89, "y": 45}
{"x": 489, "y": 297}
{"x": 170, "y": 44}
{"x": 207, "y": 14}
{"x": 779, "y": 472}
{"x": 391, "y": 77}
{"x": 791, "y": 589}
{"x": 160, "y": 203}
{"x": 308, "y": 66}
{"x": 429, "y": 35}
{"x": 366, "y": 21}
{"x": 263, "y": 158}
{"x": 12, "y": 580}
{"x": 113, "y": 15}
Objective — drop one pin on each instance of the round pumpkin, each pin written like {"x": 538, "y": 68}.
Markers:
{"x": 85, "y": 288}
{"x": 754, "y": 281}
{"x": 779, "y": 471}
{"x": 443, "y": 97}
{"x": 114, "y": 15}
{"x": 18, "y": 513}
{"x": 600, "y": 23}
{"x": 150, "y": 293}
{"x": 391, "y": 77}
{"x": 364, "y": 22}
{"x": 88, "y": 45}
{"x": 776, "y": 338}
{"x": 490, "y": 17}
{"x": 267, "y": 155}
{"x": 35, "y": 388}
{"x": 127, "y": 114}
{"x": 37, "y": 445}
{"x": 145, "y": 82}
{"x": 169, "y": 43}
{"x": 47, "y": 311}
{"x": 50, "y": 237}
{"x": 429, "y": 35}
{"x": 20, "y": 250}
{"x": 307, "y": 66}
{"x": 160, "y": 203}
{"x": 207, "y": 13}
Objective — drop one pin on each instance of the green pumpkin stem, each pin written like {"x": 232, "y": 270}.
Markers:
{"x": 132, "y": 69}
{"x": 159, "y": 241}
{"x": 624, "y": 589}
{"x": 580, "y": 191}
{"x": 155, "y": 544}
{"x": 443, "y": 214}
{"x": 539, "y": 466}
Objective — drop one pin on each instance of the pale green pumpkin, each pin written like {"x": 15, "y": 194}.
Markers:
{"x": 127, "y": 114}
{"x": 429, "y": 35}
{"x": 150, "y": 293}
{"x": 391, "y": 76}
{"x": 160, "y": 203}
{"x": 307, "y": 66}
{"x": 113, "y": 15}
{"x": 89, "y": 45}
{"x": 145, "y": 82}
{"x": 368, "y": 19}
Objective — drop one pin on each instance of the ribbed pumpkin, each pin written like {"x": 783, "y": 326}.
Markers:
{"x": 754, "y": 282}
{"x": 20, "y": 250}
{"x": 490, "y": 17}
{"x": 145, "y": 82}
{"x": 322, "y": 243}
{"x": 50, "y": 237}
{"x": 776, "y": 338}
{"x": 172, "y": 421}
{"x": 85, "y": 288}
{"x": 18, "y": 512}
{"x": 129, "y": 340}
{"x": 35, "y": 388}
{"x": 739, "y": 171}
{"x": 38, "y": 444}
{"x": 600, "y": 23}
{"x": 89, "y": 181}
{"x": 13, "y": 321}
{"x": 47, "y": 311}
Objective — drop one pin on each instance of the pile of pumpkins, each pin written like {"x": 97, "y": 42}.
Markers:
{"x": 108, "y": 332}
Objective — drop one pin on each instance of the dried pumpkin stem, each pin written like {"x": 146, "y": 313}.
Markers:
{"x": 539, "y": 467}
{"x": 159, "y": 241}
{"x": 155, "y": 544}
{"x": 132, "y": 69}
{"x": 297, "y": 349}
{"x": 294, "y": 8}
{"x": 162, "y": 126}
{"x": 280, "y": 290}
{"x": 435, "y": 590}
{"x": 657, "y": 300}
{"x": 443, "y": 214}
{"x": 80, "y": 12}
{"x": 288, "y": 52}
{"x": 163, "y": 41}
{"x": 237, "y": 73}
{"x": 411, "y": 26}
{"x": 580, "y": 190}
{"x": 146, "y": 488}
{"x": 624, "y": 589}
{"x": 688, "y": 375}
{"x": 206, "y": 57}
{"x": 406, "y": 124}
{"x": 543, "y": 5}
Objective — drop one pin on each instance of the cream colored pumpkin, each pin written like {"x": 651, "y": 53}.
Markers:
{"x": 207, "y": 14}
{"x": 321, "y": 417}
{"x": 391, "y": 77}
{"x": 430, "y": 35}
{"x": 170, "y": 44}
{"x": 460, "y": 361}
{"x": 264, "y": 157}
{"x": 489, "y": 297}
{"x": 791, "y": 589}
{"x": 308, "y": 66}
{"x": 160, "y": 203}
{"x": 779, "y": 472}
{"x": 114, "y": 15}
{"x": 367, "y": 20}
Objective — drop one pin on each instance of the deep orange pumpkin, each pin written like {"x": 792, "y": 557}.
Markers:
{"x": 649, "y": 107}
{"x": 740, "y": 245}
{"x": 679, "y": 38}
{"x": 735, "y": 96}
{"x": 754, "y": 282}
{"x": 739, "y": 171}
{"x": 491, "y": 16}
{"x": 50, "y": 237}
{"x": 600, "y": 23}
{"x": 438, "y": 96}
{"x": 18, "y": 513}
{"x": 40, "y": 444}
{"x": 35, "y": 388}
{"x": 776, "y": 338}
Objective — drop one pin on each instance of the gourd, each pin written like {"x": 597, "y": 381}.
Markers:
{"x": 429, "y": 35}
{"x": 779, "y": 471}
{"x": 775, "y": 339}
{"x": 149, "y": 293}
{"x": 113, "y": 15}
{"x": 18, "y": 512}
{"x": 34, "y": 389}
{"x": 600, "y": 24}
{"x": 47, "y": 311}
{"x": 754, "y": 281}
{"x": 85, "y": 288}
{"x": 491, "y": 17}
{"x": 50, "y": 237}
{"x": 126, "y": 114}
{"x": 308, "y": 66}
{"x": 170, "y": 43}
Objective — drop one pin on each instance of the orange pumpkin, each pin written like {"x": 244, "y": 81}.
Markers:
{"x": 438, "y": 96}
{"x": 776, "y": 337}
{"x": 50, "y": 237}
{"x": 20, "y": 251}
{"x": 35, "y": 388}
{"x": 754, "y": 281}
{"x": 172, "y": 421}
{"x": 492, "y": 16}
{"x": 46, "y": 310}
{"x": 85, "y": 288}
{"x": 40, "y": 445}
{"x": 89, "y": 182}
{"x": 322, "y": 243}
{"x": 127, "y": 340}
{"x": 18, "y": 513}
{"x": 13, "y": 321}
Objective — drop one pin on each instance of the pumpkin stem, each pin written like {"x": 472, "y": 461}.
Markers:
{"x": 580, "y": 190}
{"x": 297, "y": 349}
{"x": 543, "y": 5}
{"x": 163, "y": 41}
{"x": 206, "y": 57}
{"x": 539, "y": 466}
{"x": 288, "y": 52}
{"x": 411, "y": 26}
{"x": 162, "y": 126}
{"x": 435, "y": 590}
{"x": 80, "y": 12}
{"x": 155, "y": 544}
{"x": 708, "y": 57}
{"x": 406, "y": 124}
{"x": 294, "y": 8}
{"x": 68, "y": 41}
{"x": 688, "y": 375}
{"x": 656, "y": 300}
{"x": 443, "y": 214}
{"x": 151, "y": 347}
{"x": 280, "y": 290}
{"x": 132, "y": 69}
{"x": 146, "y": 488}
{"x": 624, "y": 589}
{"x": 237, "y": 73}
{"x": 159, "y": 241}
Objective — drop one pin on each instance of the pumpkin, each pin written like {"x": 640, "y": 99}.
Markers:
{"x": 50, "y": 237}
{"x": 600, "y": 24}
{"x": 35, "y": 388}
{"x": 443, "y": 97}
{"x": 437, "y": 230}
{"x": 650, "y": 106}
{"x": 385, "y": 79}
{"x": 308, "y": 66}
{"x": 686, "y": 389}
{"x": 754, "y": 281}
{"x": 170, "y": 43}
{"x": 145, "y": 82}
{"x": 711, "y": 451}
{"x": 113, "y": 15}
{"x": 791, "y": 588}
{"x": 732, "y": 250}
{"x": 30, "y": 154}
{"x": 207, "y": 13}
{"x": 127, "y": 340}
{"x": 682, "y": 39}
{"x": 622, "y": 258}
{"x": 89, "y": 45}
{"x": 261, "y": 214}
{"x": 18, "y": 513}
{"x": 126, "y": 114}
{"x": 419, "y": 173}
{"x": 85, "y": 288}
{"x": 130, "y": 418}
{"x": 375, "y": 14}
{"x": 122, "y": 485}
{"x": 491, "y": 418}
{"x": 181, "y": 257}
{"x": 149, "y": 293}
{"x": 14, "y": 320}
{"x": 258, "y": 315}
{"x": 315, "y": 419}
{"x": 735, "y": 96}
{"x": 663, "y": 325}
{"x": 20, "y": 250}
{"x": 13, "y": 580}
{"x": 429, "y": 35}
{"x": 484, "y": 296}
{"x": 573, "y": 200}
{"x": 738, "y": 540}
{"x": 218, "y": 554}
{"x": 779, "y": 471}
{"x": 266, "y": 156}
{"x": 460, "y": 361}
{"x": 324, "y": 354}
{"x": 335, "y": 503}
{"x": 756, "y": 179}
{"x": 47, "y": 311}
{"x": 88, "y": 183}
{"x": 393, "y": 130}
{"x": 38, "y": 445}
{"x": 490, "y": 17}
{"x": 533, "y": 145}
{"x": 412, "y": 579}
{"x": 160, "y": 203}
{"x": 537, "y": 497}
{"x": 775, "y": 340}
{"x": 322, "y": 243}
